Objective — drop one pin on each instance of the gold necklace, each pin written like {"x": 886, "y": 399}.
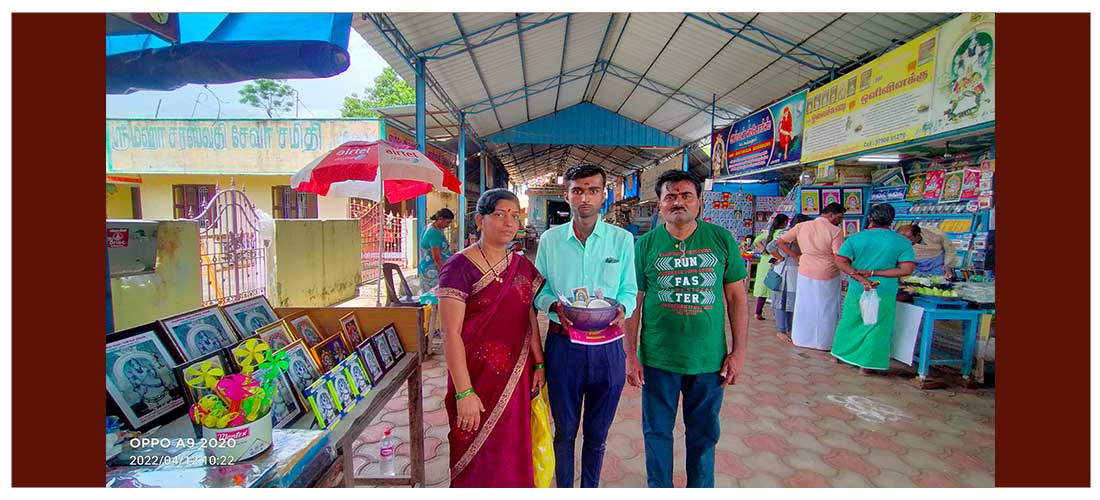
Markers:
{"x": 492, "y": 268}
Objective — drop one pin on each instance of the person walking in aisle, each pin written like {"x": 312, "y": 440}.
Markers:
{"x": 688, "y": 270}
{"x": 784, "y": 298}
{"x": 586, "y": 252}
{"x": 760, "y": 245}
{"x": 878, "y": 254}
{"x": 818, "y": 306}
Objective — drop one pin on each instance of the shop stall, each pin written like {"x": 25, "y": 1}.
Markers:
{"x": 913, "y": 128}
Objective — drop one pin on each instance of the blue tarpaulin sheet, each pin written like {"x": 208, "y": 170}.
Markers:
{"x": 227, "y": 48}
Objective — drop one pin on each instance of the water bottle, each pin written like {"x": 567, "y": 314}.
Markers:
{"x": 386, "y": 453}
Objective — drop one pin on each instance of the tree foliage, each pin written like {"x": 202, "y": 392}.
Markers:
{"x": 388, "y": 90}
{"x": 273, "y": 96}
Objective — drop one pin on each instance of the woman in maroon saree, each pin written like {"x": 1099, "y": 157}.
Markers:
{"x": 493, "y": 350}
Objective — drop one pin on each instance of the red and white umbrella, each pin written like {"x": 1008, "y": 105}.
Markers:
{"x": 373, "y": 169}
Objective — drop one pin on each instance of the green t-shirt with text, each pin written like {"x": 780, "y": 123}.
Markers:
{"x": 683, "y": 326}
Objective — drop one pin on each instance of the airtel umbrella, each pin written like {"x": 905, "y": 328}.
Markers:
{"x": 372, "y": 170}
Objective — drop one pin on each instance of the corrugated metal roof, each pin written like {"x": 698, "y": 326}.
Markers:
{"x": 585, "y": 124}
{"x": 671, "y": 65}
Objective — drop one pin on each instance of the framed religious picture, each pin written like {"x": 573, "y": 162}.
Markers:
{"x": 277, "y": 335}
{"x": 350, "y": 324}
{"x": 390, "y": 331}
{"x": 199, "y": 332}
{"x": 301, "y": 369}
{"x": 341, "y": 388}
{"x": 322, "y": 400}
{"x": 330, "y": 351}
{"x": 952, "y": 187}
{"x": 829, "y": 196}
{"x": 210, "y": 365}
{"x": 286, "y": 407}
{"x": 374, "y": 367}
{"x": 853, "y": 201}
{"x": 304, "y": 328}
{"x": 382, "y": 349}
{"x": 141, "y": 384}
{"x": 239, "y": 352}
{"x": 916, "y": 188}
{"x": 851, "y": 227}
{"x": 811, "y": 201}
{"x": 249, "y": 315}
{"x": 357, "y": 375}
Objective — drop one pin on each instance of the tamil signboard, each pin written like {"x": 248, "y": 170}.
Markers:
{"x": 769, "y": 137}
{"x": 885, "y": 102}
{"x": 227, "y": 146}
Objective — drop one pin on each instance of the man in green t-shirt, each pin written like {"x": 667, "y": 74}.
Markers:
{"x": 686, "y": 269}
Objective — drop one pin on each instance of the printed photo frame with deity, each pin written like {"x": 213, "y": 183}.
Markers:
{"x": 341, "y": 389}
{"x": 322, "y": 400}
{"x": 304, "y": 328}
{"x": 374, "y": 367}
{"x": 277, "y": 335}
{"x": 382, "y": 349}
{"x": 249, "y": 315}
{"x": 398, "y": 351}
{"x": 199, "y": 332}
{"x": 330, "y": 352}
{"x": 142, "y": 386}
{"x": 357, "y": 375}
{"x": 301, "y": 368}
{"x": 349, "y": 323}
{"x": 286, "y": 407}
{"x": 216, "y": 359}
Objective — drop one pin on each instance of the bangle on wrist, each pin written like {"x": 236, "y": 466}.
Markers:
{"x": 539, "y": 366}
{"x": 465, "y": 393}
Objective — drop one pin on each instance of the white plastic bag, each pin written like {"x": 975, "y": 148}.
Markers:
{"x": 868, "y": 306}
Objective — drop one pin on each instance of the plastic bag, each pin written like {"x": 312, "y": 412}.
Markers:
{"x": 868, "y": 306}
{"x": 542, "y": 440}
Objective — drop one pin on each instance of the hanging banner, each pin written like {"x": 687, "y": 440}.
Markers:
{"x": 885, "y": 102}
{"x": 965, "y": 68}
{"x": 768, "y": 137}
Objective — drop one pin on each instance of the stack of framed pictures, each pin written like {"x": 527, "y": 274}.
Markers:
{"x": 148, "y": 366}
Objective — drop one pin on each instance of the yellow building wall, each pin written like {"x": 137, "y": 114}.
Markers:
{"x": 156, "y": 193}
{"x": 315, "y": 263}
{"x": 119, "y": 202}
{"x": 172, "y": 289}
{"x": 156, "y": 190}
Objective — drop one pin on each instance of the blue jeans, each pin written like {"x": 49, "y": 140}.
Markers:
{"x": 582, "y": 374}
{"x": 702, "y": 402}
{"x": 783, "y": 320}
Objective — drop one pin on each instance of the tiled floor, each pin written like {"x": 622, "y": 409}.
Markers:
{"x": 795, "y": 419}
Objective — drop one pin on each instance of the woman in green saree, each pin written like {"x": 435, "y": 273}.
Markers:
{"x": 879, "y": 254}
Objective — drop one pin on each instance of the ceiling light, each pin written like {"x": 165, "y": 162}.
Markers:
{"x": 887, "y": 158}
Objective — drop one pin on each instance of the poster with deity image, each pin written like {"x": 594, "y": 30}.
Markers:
{"x": 140, "y": 378}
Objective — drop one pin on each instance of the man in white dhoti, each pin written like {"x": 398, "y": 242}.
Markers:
{"x": 817, "y": 309}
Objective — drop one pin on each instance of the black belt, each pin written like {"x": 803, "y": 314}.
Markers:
{"x": 557, "y": 328}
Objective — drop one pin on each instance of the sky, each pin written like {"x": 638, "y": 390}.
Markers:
{"x": 320, "y": 97}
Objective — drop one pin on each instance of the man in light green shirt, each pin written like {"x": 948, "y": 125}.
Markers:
{"x": 586, "y": 252}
